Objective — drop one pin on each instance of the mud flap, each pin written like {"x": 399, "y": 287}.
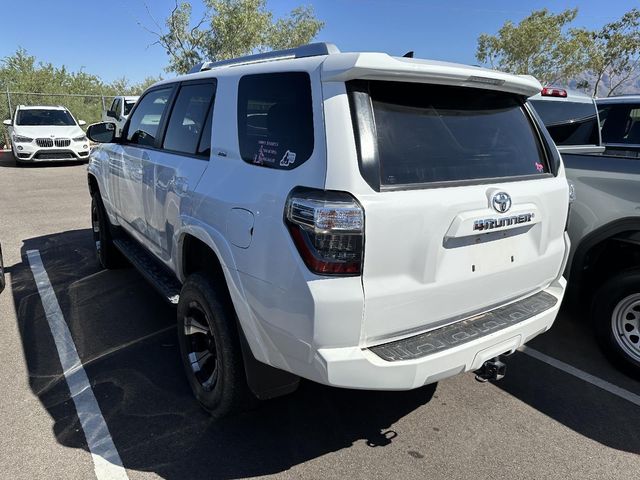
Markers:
{"x": 264, "y": 380}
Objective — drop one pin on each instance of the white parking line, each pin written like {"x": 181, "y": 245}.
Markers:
{"x": 106, "y": 460}
{"x": 582, "y": 375}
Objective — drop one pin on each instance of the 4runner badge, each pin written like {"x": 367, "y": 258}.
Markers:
{"x": 491, "y": 223}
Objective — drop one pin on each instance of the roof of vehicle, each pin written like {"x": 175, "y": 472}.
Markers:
{"x": 41, "y": 107}
{"x": 128, "y": 98}
{"x": 574, "y": 96}
{"x": 634, "y": 98}
{"x": 337, "y": 66}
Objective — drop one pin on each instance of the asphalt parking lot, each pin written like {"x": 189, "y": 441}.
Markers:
{"x": 561, "y": 412}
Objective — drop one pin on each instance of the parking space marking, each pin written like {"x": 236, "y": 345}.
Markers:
{"x": 582, "y": 375}
{"x": 106, "y": 460}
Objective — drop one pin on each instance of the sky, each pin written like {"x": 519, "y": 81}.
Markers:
{"x": 110, "y": 38}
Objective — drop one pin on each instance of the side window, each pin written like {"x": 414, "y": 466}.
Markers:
{"x": 620, "y": 123}
{"x": 204, "y": 149}
{"x": 632, "y": 133}
{"x": 113, "y": 105}
{"x": 275, "y": 119}
{"x": 144, "y": 123}
{"x": 188, "y": 118}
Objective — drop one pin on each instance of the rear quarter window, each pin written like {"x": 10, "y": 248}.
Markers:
{"x": 275, "y": 119}
{"x": 426, "y": 134}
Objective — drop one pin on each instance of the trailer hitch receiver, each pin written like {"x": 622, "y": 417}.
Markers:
{"x": 493, "y": 369}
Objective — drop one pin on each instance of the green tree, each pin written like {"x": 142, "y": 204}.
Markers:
{"x": 613, "y": 56}
{"x": 230, "y": 28}
{"x": 33, "y": 82}
{"x": 541, "y": 45}
{"x": 123, "y": 86}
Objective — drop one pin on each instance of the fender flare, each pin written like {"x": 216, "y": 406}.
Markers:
{"x": 264, "y": 380}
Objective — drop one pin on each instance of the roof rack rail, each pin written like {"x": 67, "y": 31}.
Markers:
{"x": 310, "y": 50}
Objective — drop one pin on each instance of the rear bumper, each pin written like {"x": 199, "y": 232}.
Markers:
{"x": 355, "y": 367}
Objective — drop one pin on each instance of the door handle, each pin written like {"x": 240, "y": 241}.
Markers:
{"x": 222, "y": 153}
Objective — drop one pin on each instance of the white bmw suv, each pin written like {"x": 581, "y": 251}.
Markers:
{"x": 356, "y": 219}
{"x": 42, "y": 134}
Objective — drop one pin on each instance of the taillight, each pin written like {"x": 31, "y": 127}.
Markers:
{"x": 553, "y": 92}
{"x": 328, "y": 230}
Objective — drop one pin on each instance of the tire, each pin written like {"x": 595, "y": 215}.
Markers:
{"x": 207, "y": 324}
{"x": 107, "y": 254}
{"x": 616, "y": 317}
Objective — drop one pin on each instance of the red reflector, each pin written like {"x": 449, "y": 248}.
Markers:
{"x": 553, "y": 92}
{"x": 316, "y": 264}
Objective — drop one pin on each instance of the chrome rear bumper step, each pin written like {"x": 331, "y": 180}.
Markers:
{"x": 466, "y": 330}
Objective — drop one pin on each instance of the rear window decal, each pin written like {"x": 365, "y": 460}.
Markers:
{"x": 267, "y": 152}
{"x": 289, "y": 158}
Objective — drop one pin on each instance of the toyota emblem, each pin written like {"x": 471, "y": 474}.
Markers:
{"x": 501, "y": 202}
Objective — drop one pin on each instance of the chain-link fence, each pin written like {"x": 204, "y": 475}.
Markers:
{"x": 83, "y": 107}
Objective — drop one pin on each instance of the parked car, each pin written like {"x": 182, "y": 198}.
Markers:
{"x": 604, "y": 225}
{"x": 43, "y": 134}
{"x": 620, "y": 121}
{"x": 356, "y": 219}
{"x": 119, "y": 111}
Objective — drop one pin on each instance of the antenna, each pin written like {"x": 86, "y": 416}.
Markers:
{"x": 409, "y": 54}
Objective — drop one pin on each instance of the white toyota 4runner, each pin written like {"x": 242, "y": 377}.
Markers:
{"x": 356, "y": 219}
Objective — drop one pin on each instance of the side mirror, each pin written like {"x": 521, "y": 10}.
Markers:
{"x": 112, "y": 114}
{"x": 7, "y": 122}
{"x": 104, "y": 132}
{"x": 82, "y": 123}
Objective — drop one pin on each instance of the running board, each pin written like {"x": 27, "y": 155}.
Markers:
{"x": 152, "y": 270}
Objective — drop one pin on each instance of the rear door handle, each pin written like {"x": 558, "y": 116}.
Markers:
{"x": 222, "y": 153}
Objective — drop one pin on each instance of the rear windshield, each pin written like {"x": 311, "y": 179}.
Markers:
{"x": 569, "y": 123}
{"x": 434, "y": 133}
{"x": 35, "y": 117}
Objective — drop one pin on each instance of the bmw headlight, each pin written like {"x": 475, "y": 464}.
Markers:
{"x": 21, "y": 139}
{"x": 83, "y": 138}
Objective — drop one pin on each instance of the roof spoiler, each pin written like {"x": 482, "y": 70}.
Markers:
{"x": 310, "y": 50}
{"x": 380, "y": 66}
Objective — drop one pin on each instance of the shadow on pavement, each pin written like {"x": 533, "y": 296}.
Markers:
{"x": 577, "y": 404}
{"x": 584, "y": 408}
{"x": 124, "y": 334}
